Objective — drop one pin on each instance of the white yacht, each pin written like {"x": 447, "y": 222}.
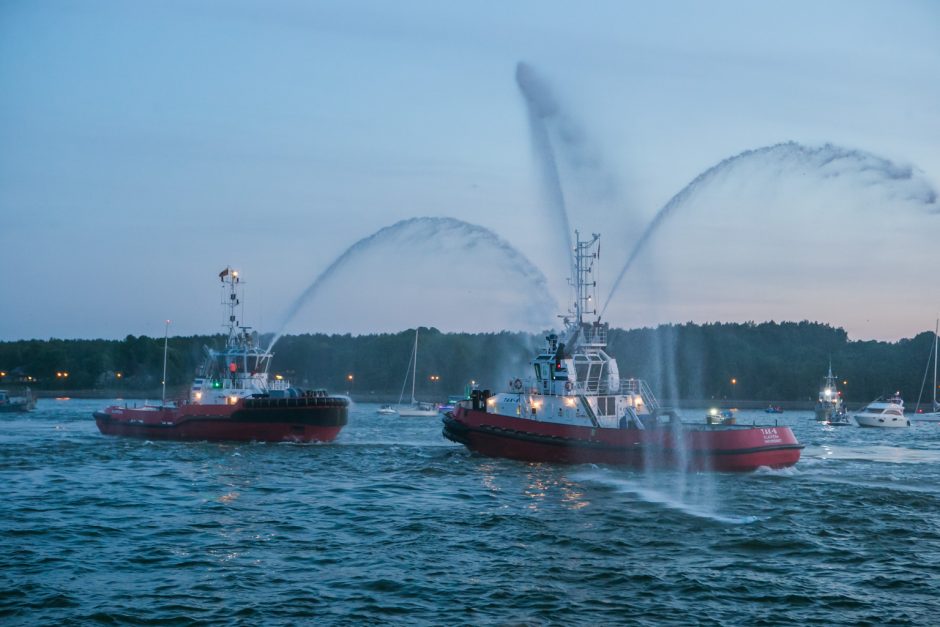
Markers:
{"x": 884, "y": 412}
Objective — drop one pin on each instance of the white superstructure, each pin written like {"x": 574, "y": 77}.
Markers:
{"x": 572, "y": 380}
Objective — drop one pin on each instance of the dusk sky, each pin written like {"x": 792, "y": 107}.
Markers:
{"x": 145, "y": 146}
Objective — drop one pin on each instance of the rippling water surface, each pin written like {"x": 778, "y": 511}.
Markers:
{"x": 393, "y": 524}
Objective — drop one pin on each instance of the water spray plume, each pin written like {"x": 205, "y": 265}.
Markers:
{"x": 824, "y": 163}
{"x": 540, "y": 106}
{"x": 422, "y": 234}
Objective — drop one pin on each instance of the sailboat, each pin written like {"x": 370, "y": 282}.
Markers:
{"x": 415, "y": 409}
{"x": 932, "y": 416}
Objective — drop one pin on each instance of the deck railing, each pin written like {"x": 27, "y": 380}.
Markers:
{"x": 602, "y": 387}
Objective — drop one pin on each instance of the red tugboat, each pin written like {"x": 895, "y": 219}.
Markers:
{"x": 575, "y": 408}
{"x": 232, "y": 398}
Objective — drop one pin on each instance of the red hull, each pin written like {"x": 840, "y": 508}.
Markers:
{"x": 719, "y": 448}
{"x": 261, "y": 420}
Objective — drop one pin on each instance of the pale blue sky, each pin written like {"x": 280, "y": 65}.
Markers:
{"x": 144, "y": 146}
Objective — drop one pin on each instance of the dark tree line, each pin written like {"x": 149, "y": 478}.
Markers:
{"x": 767, "y": 361}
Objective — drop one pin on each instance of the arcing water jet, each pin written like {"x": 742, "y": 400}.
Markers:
{"x": 541, "y": 105}
{"x": 826, "y": 162}
{"x": 422, "y": 234}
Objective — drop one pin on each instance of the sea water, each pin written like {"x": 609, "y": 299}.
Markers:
{"x": 393, "y": 524}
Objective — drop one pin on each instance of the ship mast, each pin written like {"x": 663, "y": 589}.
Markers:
{"x": 230, "y": 278}
{"x": 240, "y": 347}
{"x": 585, "y": 254}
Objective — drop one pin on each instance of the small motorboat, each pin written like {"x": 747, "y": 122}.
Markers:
{"x": 386, "y": 410}
{"x": 839, "y": 420}
{"x": 720, "y": 417}
{"x": 774, "y": 409}
{"x": 453, "y": 400}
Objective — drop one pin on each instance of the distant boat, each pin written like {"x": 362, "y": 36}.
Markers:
{"x": 774, "y": 409}
{"x": 829, "y": 407}
{"x": 839, "y": 420}
{"x": 386, "y": 410}
{"x": 932, "y": 416}
{"x": 232, "y": 398}
{"x": 885, "y": 412}
{"x": 416, "y": 409}
{"x": 453, "y": 400}
{"x": 720, "y": 417}
{"x": 10, "y": 403}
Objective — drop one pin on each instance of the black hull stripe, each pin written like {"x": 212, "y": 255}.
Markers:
{"x": 456, "y": 432}
{"x": 318, "y": 418}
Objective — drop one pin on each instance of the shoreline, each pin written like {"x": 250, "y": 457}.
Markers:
{"x": 386, "y": 398}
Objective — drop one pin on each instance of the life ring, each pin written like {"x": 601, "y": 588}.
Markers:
{"x": 517, "y": 384}
{"x": 568, "y": 385}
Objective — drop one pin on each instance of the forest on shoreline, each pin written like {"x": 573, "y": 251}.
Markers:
{"x": 723, "y": 361}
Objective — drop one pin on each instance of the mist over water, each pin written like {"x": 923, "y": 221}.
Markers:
{"x": 421, "y": 268}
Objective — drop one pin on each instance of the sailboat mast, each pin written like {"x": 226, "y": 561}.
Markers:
{"x": 166, "y": 335}
{"x": 936, "y": 337}
{"x": 414, "y": 369}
